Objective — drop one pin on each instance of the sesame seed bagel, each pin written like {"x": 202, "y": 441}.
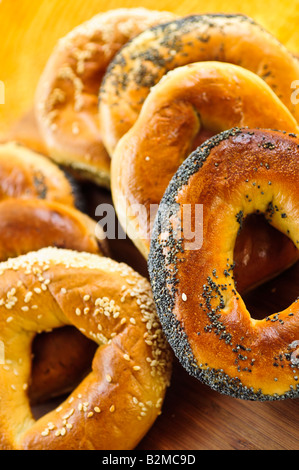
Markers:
{"x": 142, "y": 62}
{"x": 36, "y": 211}
{"x": 232, "y": 175}
{"x": 31, "y": 224}
{"x": 66, "y": 103}
{"x": 213, "y": 96}
{"x": 116, "y": 404}
{"x": 42, "y": 191}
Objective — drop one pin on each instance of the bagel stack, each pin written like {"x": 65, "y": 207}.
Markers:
{"x": 37, "y": 209}
{"x": 166, "y": 93}
{"x": 165, "y": 112}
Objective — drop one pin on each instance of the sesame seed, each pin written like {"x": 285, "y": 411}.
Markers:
{"x": 112, "y": 409}
{"x": 28, "y": 297}
{"x": 184, "y": 297}
{"x": 69, "y": 414}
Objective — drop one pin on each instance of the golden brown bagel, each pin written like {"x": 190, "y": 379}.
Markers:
{"x": 30, "y": 219}
{"x": 237, "y": 173}
{"x": 25, "y": 131}
{"x": 30, "y": 224}
{"x": 216, "y": 37}
{"x": 116, "y": 404}
{"x": 215, "y": 96}
{"x": 67, "y": 94}
{"x": 27, "y": 174}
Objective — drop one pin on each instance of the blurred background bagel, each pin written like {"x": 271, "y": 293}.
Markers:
{"x": 25, "y": 48}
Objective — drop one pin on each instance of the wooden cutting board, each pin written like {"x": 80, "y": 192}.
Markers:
{"x": 194, "y": 416}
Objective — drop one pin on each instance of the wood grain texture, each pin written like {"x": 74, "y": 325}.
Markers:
{"x": 194, "y": 416}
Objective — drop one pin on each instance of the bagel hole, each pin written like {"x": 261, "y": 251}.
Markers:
{"x": 60, "y": 361}
{"x": 275, "y": 295}
{"x": 202, "y": 136}
{"x": 266, "y": 271}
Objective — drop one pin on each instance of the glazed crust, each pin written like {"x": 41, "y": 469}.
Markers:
{"x": 37, "y": 210}
{"x": 116, "y": 404}
{"x": 237, "y": 173}
{"x": 40, "y": 223}
{"x": 213, "y": 96}
{"x": 26, "y": 132}
{"x": 66, "y": 104}
{"x": 216, "y": 37}
{"x": 27, "y": 174}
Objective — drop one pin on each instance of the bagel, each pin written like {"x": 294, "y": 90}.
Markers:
{"x": 141, "y": 63}
{"x": 66, "y": 101}
{"x": 235, "y": 174}
{"x": 116, "y": 404}
{"x": 30, "y": 224}
{"x": 27, "y": 174}
{"x": 25, "y": 131}
{"x": 212, "y": 95}
{"x": 37, "y": 210}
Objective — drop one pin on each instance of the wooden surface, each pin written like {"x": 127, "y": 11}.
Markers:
{"x": 194, "y": 417}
